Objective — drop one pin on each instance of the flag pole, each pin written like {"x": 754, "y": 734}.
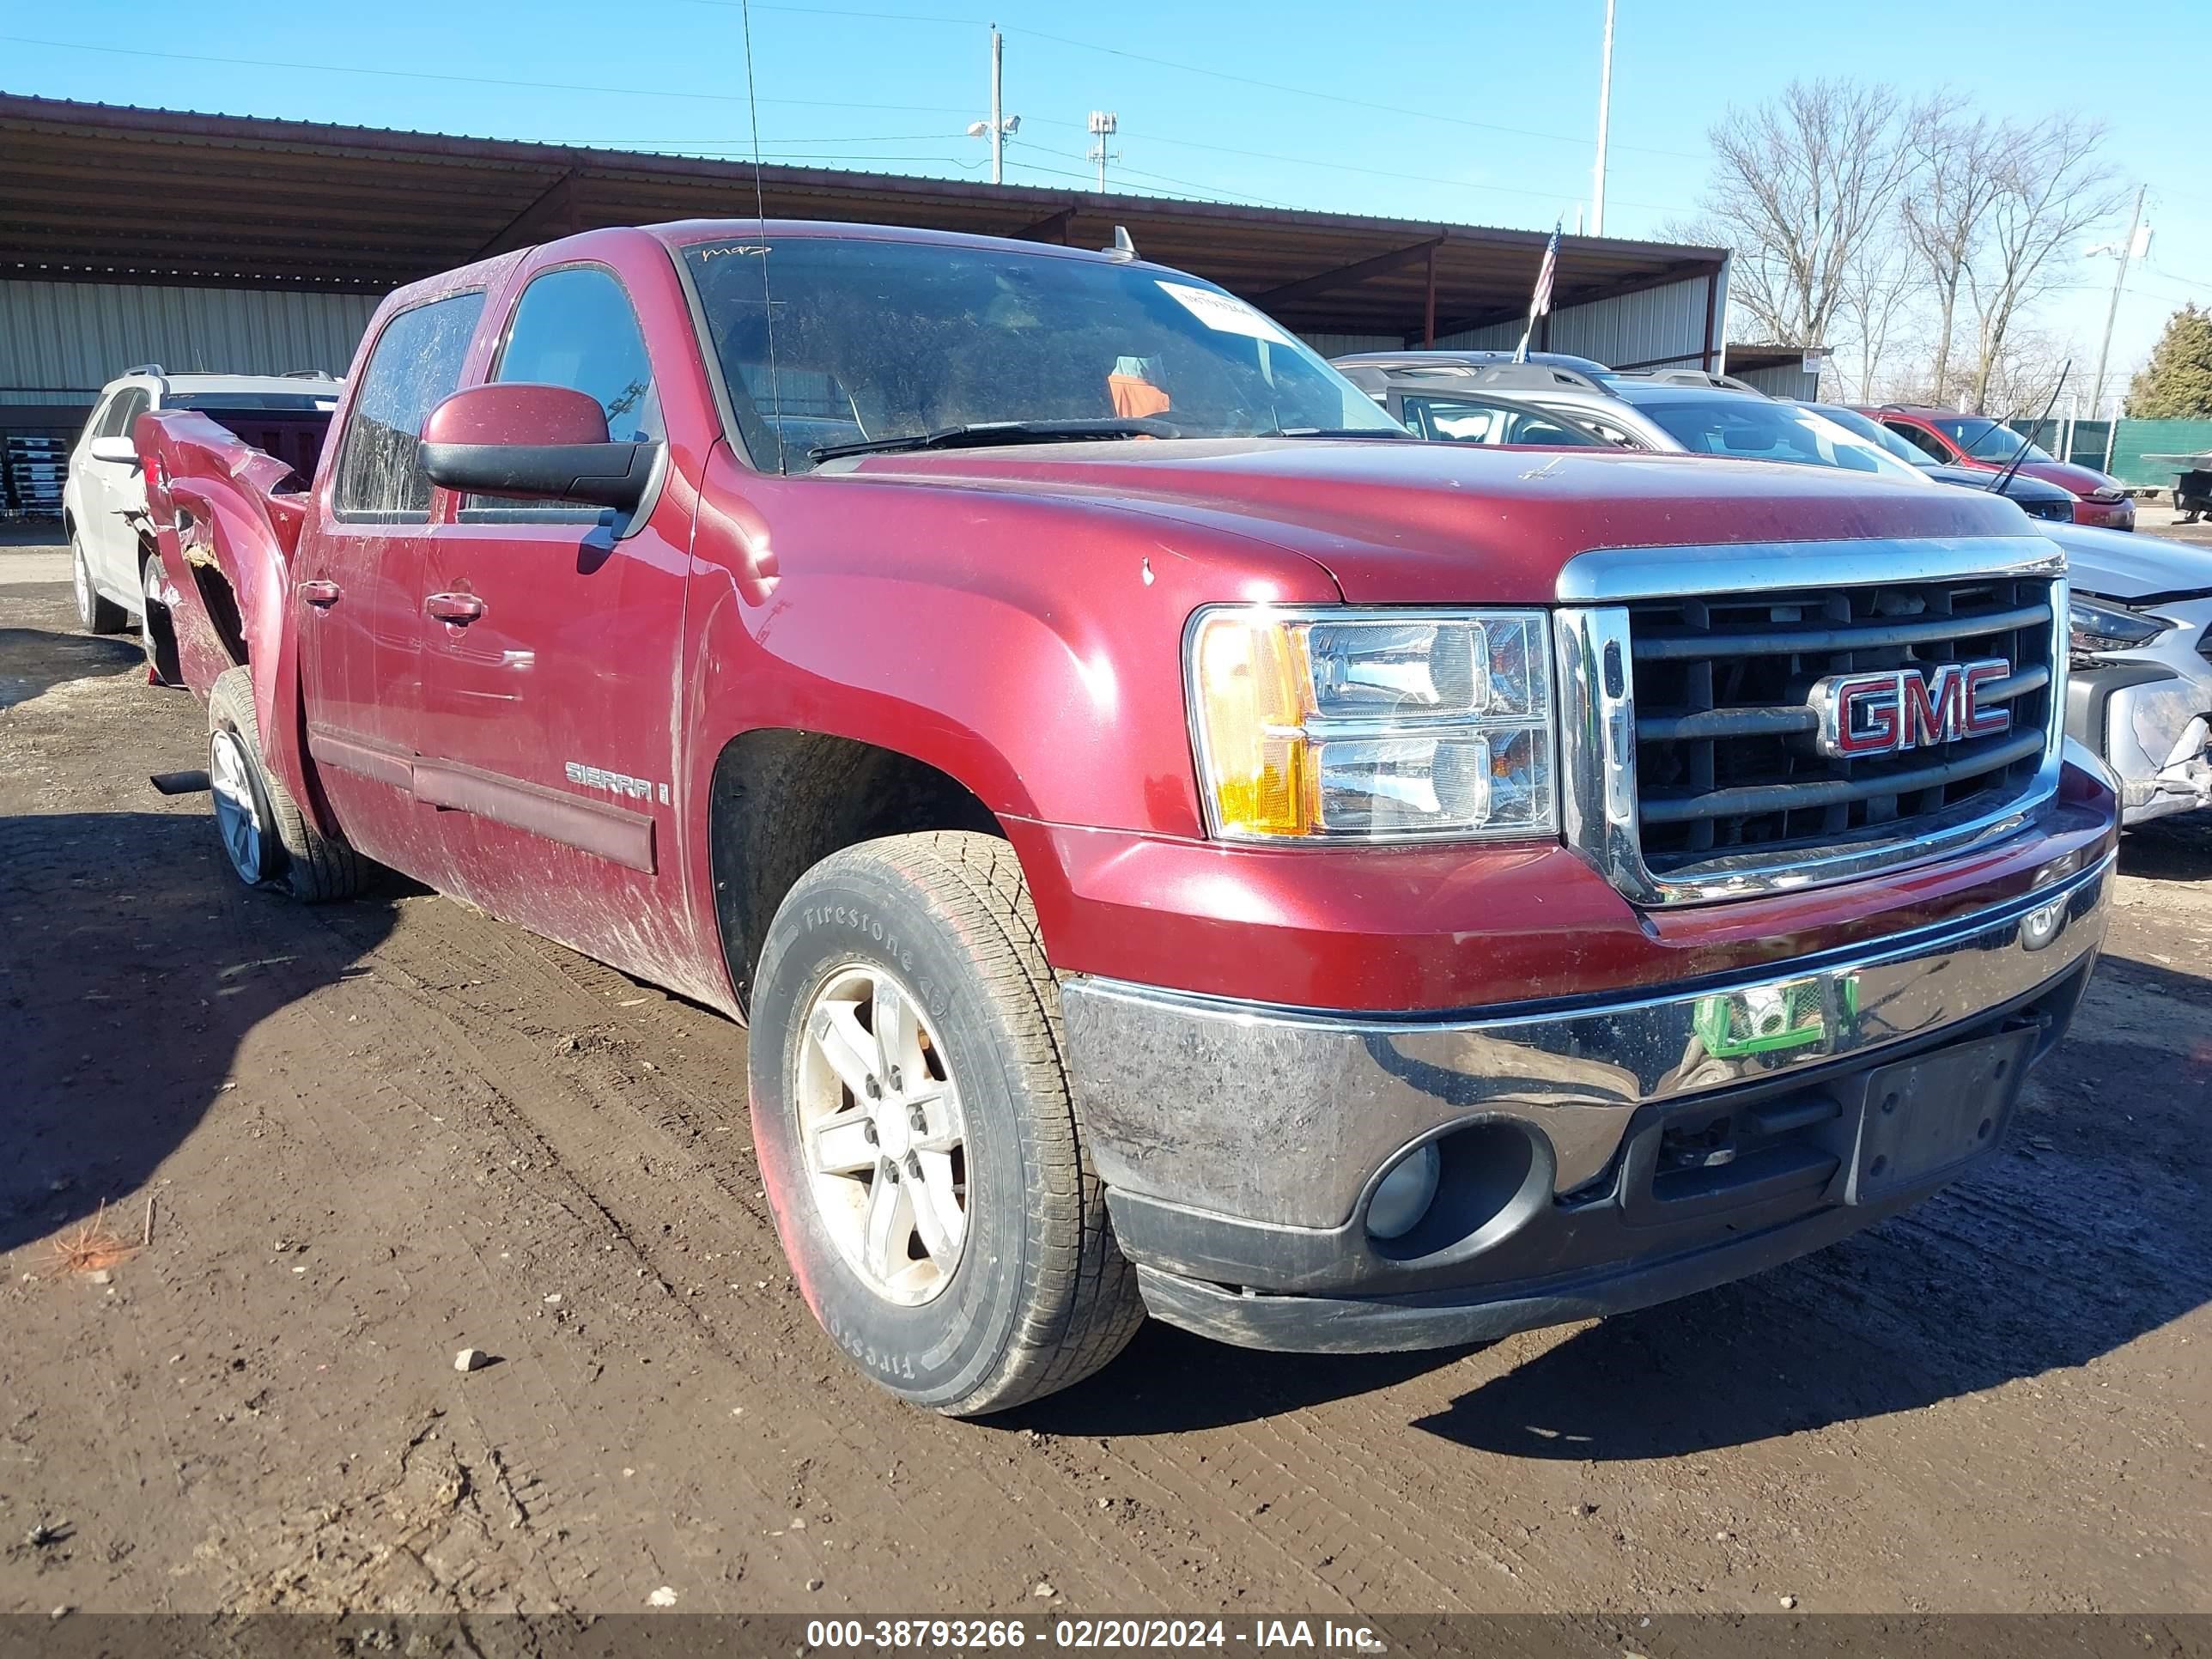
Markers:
{"x": 1539, "y": 300}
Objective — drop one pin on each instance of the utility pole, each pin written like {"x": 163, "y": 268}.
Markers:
{"x": 1104, "y": 124}
{"x": 998, "y": 125}
{"x": 2127, "y": 250}
{"x": 1604, "y": 115}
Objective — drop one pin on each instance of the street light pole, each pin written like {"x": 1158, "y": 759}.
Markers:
{"x": 1604, "y": 116}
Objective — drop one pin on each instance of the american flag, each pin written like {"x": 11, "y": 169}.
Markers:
{"x": 1540, "y": 302}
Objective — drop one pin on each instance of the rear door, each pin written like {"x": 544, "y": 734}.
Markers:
{"x": 357, "y": 587}
{"x": 549, "y": 725}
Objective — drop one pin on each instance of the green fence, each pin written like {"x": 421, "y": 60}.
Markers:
{"x": 2118, "y": 447}
{"x": 2137, "y": 439}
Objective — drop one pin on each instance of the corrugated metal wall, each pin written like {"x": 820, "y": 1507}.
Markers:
{"x": 1659, "y": 325}
{"x": 1784, "y": 380}
{"x": 73, "y": 337}
{"x": 1338, "y": 345}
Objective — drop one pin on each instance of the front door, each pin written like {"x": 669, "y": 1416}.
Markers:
{"x": 357, "y": 588}
{"x": 550, "y": 702}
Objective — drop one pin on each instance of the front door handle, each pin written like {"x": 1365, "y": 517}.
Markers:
{"x": 459, "y": 609}
{"x": 321, "y": 593}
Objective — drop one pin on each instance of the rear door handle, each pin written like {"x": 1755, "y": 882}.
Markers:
{"x": 320, "y": 593}
{"x": 459, "y": 609}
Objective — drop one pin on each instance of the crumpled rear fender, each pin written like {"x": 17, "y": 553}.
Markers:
{"x": 219, "y": 524}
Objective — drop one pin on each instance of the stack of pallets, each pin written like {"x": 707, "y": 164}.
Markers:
{"x": 35, "y": 469}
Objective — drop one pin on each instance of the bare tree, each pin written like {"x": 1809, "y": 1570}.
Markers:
{"x": 2051, "y": 188}
{"x": 1801, "y": 183}
{"x": 1957, "y": 168}
{"x": 1880, "y": 289}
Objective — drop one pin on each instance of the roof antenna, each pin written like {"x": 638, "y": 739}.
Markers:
{"x": 760, "y": 212}
{"x": 2028, "y": 442}
{"x": 1123, "y": 248}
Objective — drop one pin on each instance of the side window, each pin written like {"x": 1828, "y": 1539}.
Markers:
{"x": 1927, "y": 442}
{"x": 1611, "y": 432}
{"x": 123, "y": 414}
{"x": 415, "y": 366}
{"x": 576, "y": 328}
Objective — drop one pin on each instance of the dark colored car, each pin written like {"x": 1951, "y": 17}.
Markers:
{"x": 1181, "y": 845}
{"x": 2034, "y": 496}
{"x": 1982, "y": 445}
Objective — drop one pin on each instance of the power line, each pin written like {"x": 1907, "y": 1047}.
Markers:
{"x": 1213, "y": 74}
{"x": 470, "y": 80}
{"x": 1374, "y": 173}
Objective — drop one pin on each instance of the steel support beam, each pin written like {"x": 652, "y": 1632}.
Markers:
{"x": 1347, "y": 275}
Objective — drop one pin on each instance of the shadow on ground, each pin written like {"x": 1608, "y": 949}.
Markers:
{"x": 38, "y": 659}
{"x": 2178, "y": 848}
{"x": 131, "y": 967}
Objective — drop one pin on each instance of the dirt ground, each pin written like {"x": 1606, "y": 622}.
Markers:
{"x": 374, "y": 1134}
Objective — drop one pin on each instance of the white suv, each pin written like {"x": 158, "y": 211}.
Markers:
{"x": 285, "y": 414}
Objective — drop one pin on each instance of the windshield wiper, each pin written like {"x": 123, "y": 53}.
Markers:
{"x": 982, "y": 435}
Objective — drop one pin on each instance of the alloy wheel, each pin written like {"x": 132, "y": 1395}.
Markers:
{"x": 237, "y": 807}
{"x": 885, "y": 1143}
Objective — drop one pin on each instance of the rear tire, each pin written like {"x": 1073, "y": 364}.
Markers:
{"x": 1016, "y": 1289}
{"x": 267, "y": 838}
{"x": 95, "y": 613}
{"x": 157, "y": 633}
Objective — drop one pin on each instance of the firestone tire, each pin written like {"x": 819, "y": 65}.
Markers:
{"x": 95, "y": 613}
{"x": 284, "y": 851}
{"x": 1038, "y": 1295}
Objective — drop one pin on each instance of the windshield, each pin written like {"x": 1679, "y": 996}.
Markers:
{"x": 1760, "y": 430}
{"x": 1988, "y": 440}
{"x": 1875, "y": 433}
{"x": 882, "y": 340}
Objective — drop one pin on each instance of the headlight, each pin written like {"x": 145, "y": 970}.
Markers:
{"x": 2094, "y": 628}
{"x": 1344, "y": 724}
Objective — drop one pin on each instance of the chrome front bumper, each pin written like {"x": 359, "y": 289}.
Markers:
{"x": 1283, "y": 1120}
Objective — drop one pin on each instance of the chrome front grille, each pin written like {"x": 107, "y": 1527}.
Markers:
{"x": 1725, "y": 758}
{"x": 1694, "y": 765}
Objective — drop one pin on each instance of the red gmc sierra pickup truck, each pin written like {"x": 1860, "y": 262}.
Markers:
{"x": 1180, "y": 844}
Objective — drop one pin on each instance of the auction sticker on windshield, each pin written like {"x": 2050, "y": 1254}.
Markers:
{"x": 1224, "y": 313}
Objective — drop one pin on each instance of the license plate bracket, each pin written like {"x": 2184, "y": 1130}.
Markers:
{"x": 1926, "y": 1117}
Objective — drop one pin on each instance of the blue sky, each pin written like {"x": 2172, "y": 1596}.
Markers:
{"x": 1478, "y": 112}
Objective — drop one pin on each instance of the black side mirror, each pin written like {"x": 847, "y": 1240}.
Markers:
{"x": 533, "y": 443}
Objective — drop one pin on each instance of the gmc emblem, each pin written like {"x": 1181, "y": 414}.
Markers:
{"x": 1899, "y": 708}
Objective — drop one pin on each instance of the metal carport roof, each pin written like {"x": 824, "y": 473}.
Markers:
{"x": 100, "y": 193}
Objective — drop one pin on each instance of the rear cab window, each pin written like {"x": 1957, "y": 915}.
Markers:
{"x": 415, "y": 365}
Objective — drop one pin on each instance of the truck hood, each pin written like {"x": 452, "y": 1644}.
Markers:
{"x": 2116, "y": 564}
{"x": 1403, "y": 522}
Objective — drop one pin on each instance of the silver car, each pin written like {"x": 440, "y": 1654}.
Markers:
{"x": 2141, "y": 691}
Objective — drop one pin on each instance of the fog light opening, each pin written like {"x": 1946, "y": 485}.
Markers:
{"x": 1403, "y": 1196}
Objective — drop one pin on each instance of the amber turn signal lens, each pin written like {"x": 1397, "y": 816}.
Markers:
{"x": 1251, "y": 712}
